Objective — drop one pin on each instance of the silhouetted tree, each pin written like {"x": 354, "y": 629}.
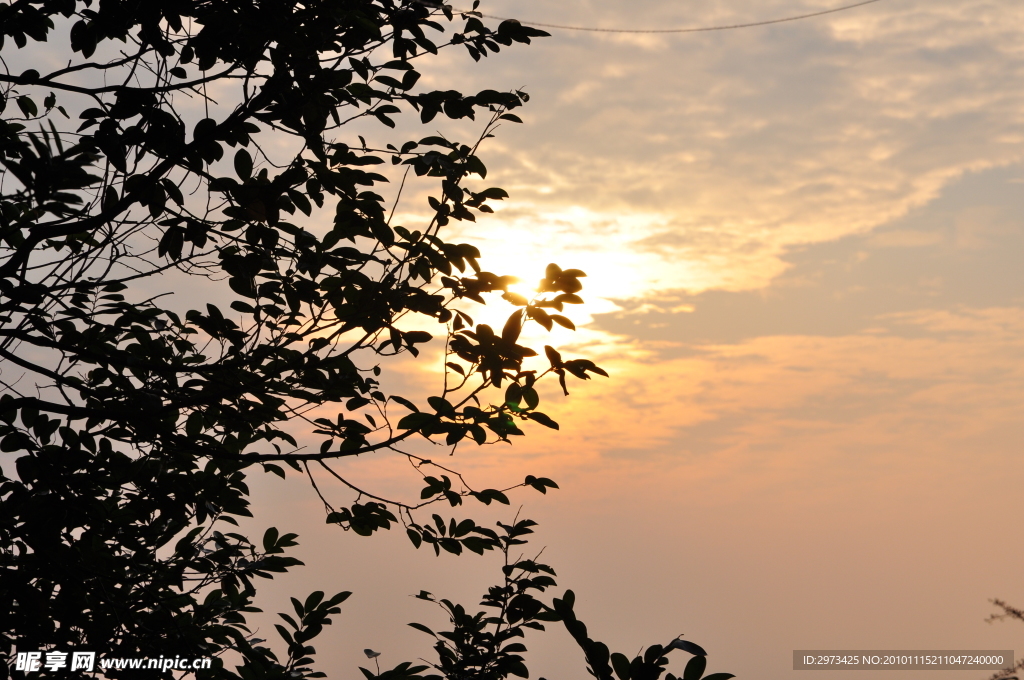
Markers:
{"x": 195, "y": 145}
{"x": 1008, "y": 612}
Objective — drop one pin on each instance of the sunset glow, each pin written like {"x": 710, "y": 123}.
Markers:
{"x": 803, "y": 247}
{"x": 803, "y": 253}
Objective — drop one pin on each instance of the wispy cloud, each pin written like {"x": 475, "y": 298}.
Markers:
{"x": 732, "y": 147}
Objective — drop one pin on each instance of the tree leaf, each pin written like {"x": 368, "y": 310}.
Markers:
{"x": 421, "y": 627}
{"x": 543, "y": 419}
{"x": 621, "y": 665}
{"x": 695, "y": 668}
{"x": 688, "y": 646}
{"x": 243, "y": 164}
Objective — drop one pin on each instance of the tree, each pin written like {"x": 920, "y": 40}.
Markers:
{"x": 190, "y": 140}
{"x": 1008, "y": 612}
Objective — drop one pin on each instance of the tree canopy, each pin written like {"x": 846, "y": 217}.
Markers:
{"x": 211, "y": 147}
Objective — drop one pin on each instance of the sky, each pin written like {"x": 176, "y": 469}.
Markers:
{"x": 802, "y": 244}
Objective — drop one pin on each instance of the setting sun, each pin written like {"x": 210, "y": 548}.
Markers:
{"x": 759, "y": 378}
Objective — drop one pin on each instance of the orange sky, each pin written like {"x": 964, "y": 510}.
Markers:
{"x": 803, "y": 245}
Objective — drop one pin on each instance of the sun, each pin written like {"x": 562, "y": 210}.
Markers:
{"x": 524, "y": 287}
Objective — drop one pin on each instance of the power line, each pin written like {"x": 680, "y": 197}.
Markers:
{"x": 666, "y": 30}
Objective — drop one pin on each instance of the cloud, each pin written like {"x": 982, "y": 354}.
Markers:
{"x": 734, "y": 147}
{"x": 805, "y": 240}
{"x": 959, "y": 251}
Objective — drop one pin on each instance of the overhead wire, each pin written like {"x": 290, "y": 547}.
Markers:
{"x": 698, "y": 29}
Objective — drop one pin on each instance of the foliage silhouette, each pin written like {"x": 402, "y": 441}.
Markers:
{"x": 487, "y": 646}
{"x": 1008, "y": 612}
{"x": 183, "y": 145}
